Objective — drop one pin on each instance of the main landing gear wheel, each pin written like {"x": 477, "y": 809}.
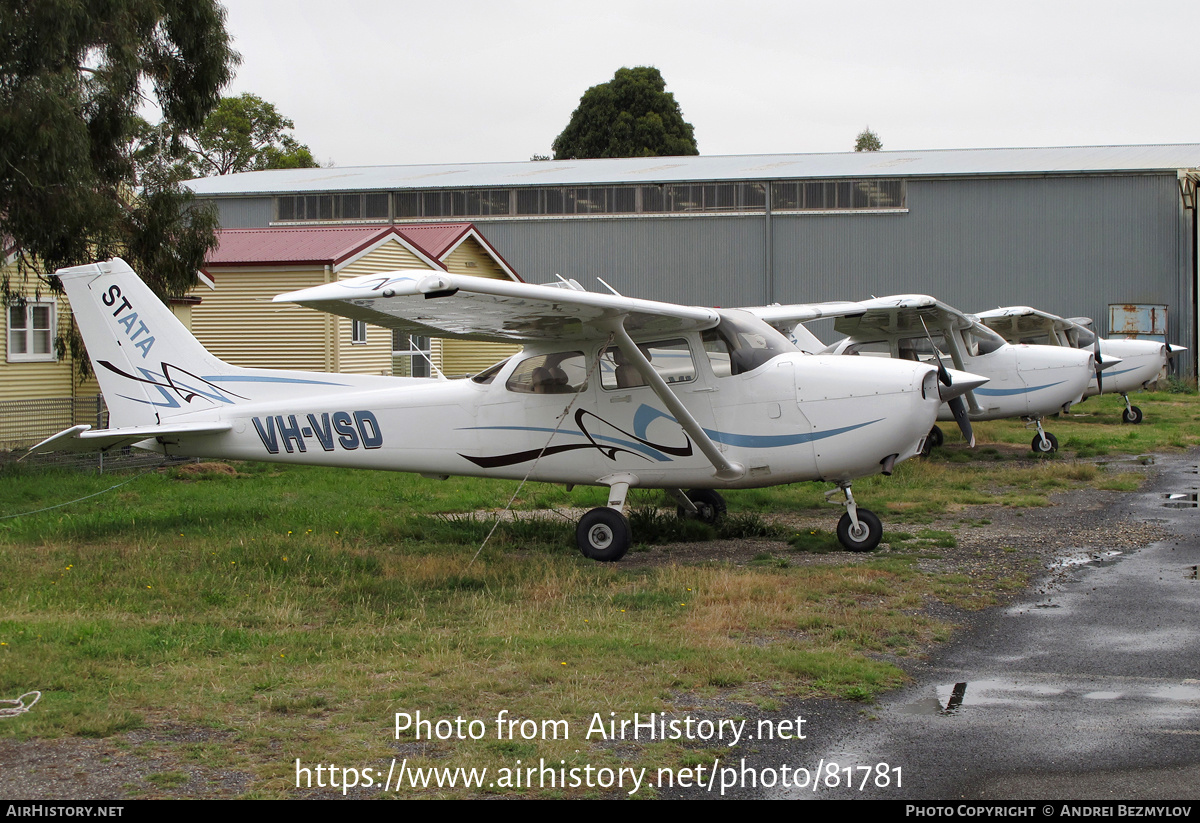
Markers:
{"x": 709, "y": 504}
{"x": 1050, "y": 445}
{"x": 863, "y": 539}
{"x": 1132, "y": 415}
{"x": 603, "y": 534}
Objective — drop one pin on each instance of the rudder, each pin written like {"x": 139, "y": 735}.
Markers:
{"x": 149, "y": 365}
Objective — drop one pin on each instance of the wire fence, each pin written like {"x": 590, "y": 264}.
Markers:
{"x": 25, "y": 423}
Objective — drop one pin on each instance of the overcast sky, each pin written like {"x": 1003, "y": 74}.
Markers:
{"x": 379, "y": 83}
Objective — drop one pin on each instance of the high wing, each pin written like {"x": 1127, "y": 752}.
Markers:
{"x": 478, "y": 308}
{"x": 901, "y": 314}
{"x": 1015, "y": 322}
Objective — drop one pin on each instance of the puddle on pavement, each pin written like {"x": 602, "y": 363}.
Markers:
{"x": 1181, "y": 500}
{"x": 1082, "y": 559}
{"x": 952, "y": 699}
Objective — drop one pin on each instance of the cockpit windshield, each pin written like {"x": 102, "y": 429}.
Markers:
{"x": 982, "y": 340}
{"x": 744, "y": 342}
{"x": 1080, "y": 338}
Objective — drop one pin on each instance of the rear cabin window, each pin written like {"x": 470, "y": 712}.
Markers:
{"x": 558, "y": 373}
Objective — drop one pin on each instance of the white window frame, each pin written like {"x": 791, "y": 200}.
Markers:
{"x": 358, "y": 332}
{"x": 25, "y": 355}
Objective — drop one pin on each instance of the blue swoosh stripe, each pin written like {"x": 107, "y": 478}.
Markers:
{"x": 223, "y": 378}
{"x": 771, "y": 441}
{"x": 1007, "y": 392}
{"x": 749, "y": 441}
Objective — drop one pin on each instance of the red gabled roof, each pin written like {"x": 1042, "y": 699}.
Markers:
{"x": 325, "y": 245}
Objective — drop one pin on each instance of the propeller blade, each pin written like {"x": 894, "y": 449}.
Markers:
{"x": 958, "y": 407}
{"x": 1099, "y": 365}
{"x": 943, "y": 375}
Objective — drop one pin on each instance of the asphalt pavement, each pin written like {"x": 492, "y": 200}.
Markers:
{"x": 1088, "y": 688}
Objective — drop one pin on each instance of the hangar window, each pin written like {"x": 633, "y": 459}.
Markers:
{"x": 310, "y": 207}
{"x": 663, "y": 198}
{"x": 823, "y": 195}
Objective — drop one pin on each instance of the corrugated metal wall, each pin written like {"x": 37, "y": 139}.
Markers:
{"x": 716, "y": 261}
{"x": 1066, "y": 244}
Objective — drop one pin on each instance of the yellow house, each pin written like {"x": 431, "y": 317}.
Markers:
{"x": 238, "y": 322}
{"x": 40, "y": 391}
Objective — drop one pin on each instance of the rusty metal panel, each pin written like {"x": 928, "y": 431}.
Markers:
{"x": 1147, "y": 321}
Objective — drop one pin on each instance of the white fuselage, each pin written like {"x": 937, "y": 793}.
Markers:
{"x": 797, "y": 417}
{"x": 1023, "y": 381}
{"x": 1142, "y": 363}
{"x": 1027, "y": 381}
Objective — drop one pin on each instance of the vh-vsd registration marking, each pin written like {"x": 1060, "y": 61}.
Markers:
{"x": 346, "y": 430}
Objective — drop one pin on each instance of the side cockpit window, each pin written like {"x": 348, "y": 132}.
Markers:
{"x": 557, "y": 373}
{"x": 672, "y": 359}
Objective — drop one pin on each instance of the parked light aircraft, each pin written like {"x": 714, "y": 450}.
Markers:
{"x": 608, "y": 391}
{"x": 1024, "y": 381}
{"x": 1141, "y": 361}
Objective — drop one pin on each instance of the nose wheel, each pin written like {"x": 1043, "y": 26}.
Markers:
{"x": 1132, "y": 414}
{"x": 859, "y": 530}
{"x": 933, "y": 440}
{"x": 1043, "y": 442}
{"x": 864, "y": 536}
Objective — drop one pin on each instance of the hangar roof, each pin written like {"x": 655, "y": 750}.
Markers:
{"x": 626, "y": 170}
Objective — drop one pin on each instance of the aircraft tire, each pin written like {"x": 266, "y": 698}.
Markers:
{"x": 603, "y": 534}
{"x": 1132, "y": 415}
{"x": 933, "y": 440}
{"x": 868, "y": 539}
{"x": 710, "y": 504}
{"x": 1039, "y": 447}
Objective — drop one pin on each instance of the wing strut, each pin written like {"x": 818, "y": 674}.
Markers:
{"x": 726, "y": 469}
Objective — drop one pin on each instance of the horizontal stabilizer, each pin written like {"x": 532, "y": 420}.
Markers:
{"x": 83, "y": 439}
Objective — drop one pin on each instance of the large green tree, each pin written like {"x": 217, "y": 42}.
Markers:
{"x": 246, "y": 133}
{"x": 73, "y": 74}
{"x": 632, "y": 115}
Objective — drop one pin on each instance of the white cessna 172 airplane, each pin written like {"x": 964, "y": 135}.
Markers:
{"x": 608, "y": 391}
{"x": 1141, "y": 361}
{"x": 1024, "y": 381}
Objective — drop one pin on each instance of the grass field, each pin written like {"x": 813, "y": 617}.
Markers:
{"x": 288, "y": 613}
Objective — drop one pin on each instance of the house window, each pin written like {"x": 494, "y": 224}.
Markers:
{"x": 31, "y": 332}
{"x": 358, "y": 331}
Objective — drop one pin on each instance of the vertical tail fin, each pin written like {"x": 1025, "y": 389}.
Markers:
{"x": 149, "y": 365}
